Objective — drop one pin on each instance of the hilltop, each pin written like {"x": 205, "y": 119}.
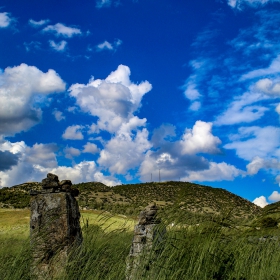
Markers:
{"x": 183, "y": 199}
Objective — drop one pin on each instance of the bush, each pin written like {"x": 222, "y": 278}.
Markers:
{"x": 268, "y": 222}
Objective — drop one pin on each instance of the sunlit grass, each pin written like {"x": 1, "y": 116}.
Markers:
{"x": 206, "y": 251}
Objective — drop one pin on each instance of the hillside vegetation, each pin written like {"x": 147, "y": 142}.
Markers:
{"x": 211, "y": 233}
{"x": 184, "y": 200}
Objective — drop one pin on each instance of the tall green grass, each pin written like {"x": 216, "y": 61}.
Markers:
{"x": 205, "y": 251}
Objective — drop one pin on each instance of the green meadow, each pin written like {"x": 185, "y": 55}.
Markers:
{"x": 209, "y": 250}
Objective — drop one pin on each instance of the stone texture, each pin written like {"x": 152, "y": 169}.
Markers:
{"x": 54, "y": 227}
{"x": 147, "y": 241}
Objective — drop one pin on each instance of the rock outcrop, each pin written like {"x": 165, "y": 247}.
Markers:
{"x": 148, "y": 241}
{"x": 54, "y": 226}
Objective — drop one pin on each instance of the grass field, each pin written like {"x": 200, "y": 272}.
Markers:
{"x": 201, "y": 252}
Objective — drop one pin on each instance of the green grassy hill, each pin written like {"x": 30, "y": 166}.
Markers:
{"x": 182, "y": 199}
{"x": 202, "y": 245}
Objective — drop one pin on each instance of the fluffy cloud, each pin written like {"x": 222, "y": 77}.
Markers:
{"x": 5, "y": 20}
{"x": 113, "y": 100}
{"x": 191, "y": 91}
{"x": 260, "y": 201}
{"x": 252, "y": 142}
{"x": 85, "y": 171}
{"x": 60, "y": 47}
{"x": 125, "y": 151}
{"x": 200, "y": 139}
{"x": 19, "y": 86}
{"x": 269, "y": 86}
{"x": 108, "y": 46}
{"x": 239, "y": 4}
{"x": 275, "y": 196}
{"x": 259, "y": 163}
{"x": 195, "y": 106}
{"x": 71, "y": 152}
{"x": 73, "y": 132}
{"x": 216, "y": 172}
{"x": 60, "y": 29}
{"x": 33, "y": 163}
{"x": 180, "y": 159}
{"x": 41, "y": 154}
{"x": 171, "y": 163}
{"x": 39, "y": 23}
{"x": 58, "y": 115}
{"x": 90, "y": 148}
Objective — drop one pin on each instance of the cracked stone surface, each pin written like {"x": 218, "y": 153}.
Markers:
{"x": 148, "y": 240}
{"x": 54, "y": 229}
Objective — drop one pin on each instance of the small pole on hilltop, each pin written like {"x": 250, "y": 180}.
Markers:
{"x": 151, "y": 177}
{"x": 159, "y": 175}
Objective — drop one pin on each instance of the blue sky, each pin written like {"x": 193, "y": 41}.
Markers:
{"x": 116, "y": 90}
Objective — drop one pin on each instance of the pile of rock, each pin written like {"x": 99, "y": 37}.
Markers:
{"x": 149, "y": 215}
{"x": 148, "y": 238}
{"x": 51, "y": 184}
{"x": 54, "y": 227}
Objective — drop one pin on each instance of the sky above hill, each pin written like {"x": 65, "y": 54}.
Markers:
{"x": 122, "y": 91}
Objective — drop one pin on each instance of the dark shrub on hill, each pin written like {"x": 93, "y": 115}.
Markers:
{"x": 269, "y": 222}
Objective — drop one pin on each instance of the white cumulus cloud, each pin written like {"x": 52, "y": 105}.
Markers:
{"x": 60, "y": 29}
{"x": 30, "y": 164}
{"x": 5, "y": 20}
{"x": 191, "y": 91}
{"x": 200, "y": 139}
{"x": 275, "y": 196}
{"x": 73, "y": 132}
{"x": 85, "y": 171}
{"x": 125, "y": 151}
{"x": 36, "y": 161}
{"x": 58, "y": 115}
{"x": 216, "y": 172}
{"x": 260, "y": 201}
{"x": 113, "y": 100}
{"x": 260, "y": 163}
{"x": 90, "y": 148}
{"x": 71, "y": 152}
{"x": 19, "y": 87}
{"x": 269, "y": 86}
{"x": 181, "y": 159}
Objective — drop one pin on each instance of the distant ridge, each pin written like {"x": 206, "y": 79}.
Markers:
{"x": 183, "y": 198}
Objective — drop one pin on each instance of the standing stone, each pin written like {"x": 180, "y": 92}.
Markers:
{"x": 54, "y": 227}
{"x": 147, "y": 241}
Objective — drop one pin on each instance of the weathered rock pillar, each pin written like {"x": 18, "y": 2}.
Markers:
{"x": 147, "y": 242}
{"x": 54, "y": 226}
